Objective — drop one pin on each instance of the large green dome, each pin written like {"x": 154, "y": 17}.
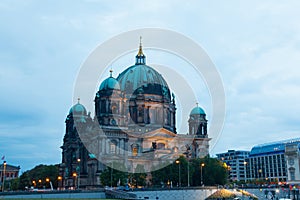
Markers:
{"x": 141, "y": 77}
{"x": 110, "y": 84}
{"x": 197, "y": 111}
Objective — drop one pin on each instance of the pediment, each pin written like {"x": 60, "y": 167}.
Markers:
{"x": 161, "y": 132}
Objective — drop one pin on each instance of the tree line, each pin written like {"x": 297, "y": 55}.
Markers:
{"x": 213, "y": 173}
{"x": 38, "y": 177}
{"x": 189, "y": 170}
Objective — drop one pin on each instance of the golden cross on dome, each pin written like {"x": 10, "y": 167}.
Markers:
{"x": 78, "y": 99}
{"x": 110, "y": 71}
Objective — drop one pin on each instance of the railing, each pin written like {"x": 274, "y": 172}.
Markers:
{"x": 117, "y": 194}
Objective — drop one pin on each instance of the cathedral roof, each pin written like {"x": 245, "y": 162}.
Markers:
{"x": 197, "y": 111}
{"x": 110, "y": 83}
{"x": 78, "y": 109}
{"x": 141, "y": 78}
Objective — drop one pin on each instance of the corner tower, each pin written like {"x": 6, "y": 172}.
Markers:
{"x": 198, "y": 122}
{"x": 109, "y": 103}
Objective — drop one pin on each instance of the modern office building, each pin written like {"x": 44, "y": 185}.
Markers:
{"x": 235, "y": 161}
{"x": 268, "y": 162}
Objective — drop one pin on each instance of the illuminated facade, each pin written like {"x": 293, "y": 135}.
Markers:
{"x": 134, "y": 124}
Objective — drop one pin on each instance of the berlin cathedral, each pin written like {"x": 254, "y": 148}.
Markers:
{"x": 134, "y": 124}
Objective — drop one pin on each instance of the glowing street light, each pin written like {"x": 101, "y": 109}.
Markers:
{"x": 78, "y": 171}
{"x": 4, "y": 176}
{"x": 245, "y": 171}
{"x": 201, "y": 166}
{"x": 60, "y": 184}
{"x": 34, "y": 183}
{"x": 178, "y": 162}
{"x": 74, "y": 176}
{"x": 48, "y": 181}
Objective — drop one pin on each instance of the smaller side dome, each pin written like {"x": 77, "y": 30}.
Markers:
{"x": 197, "y": 111}
{"x": 110, "y": 83}
{"x": 78, "y": 109}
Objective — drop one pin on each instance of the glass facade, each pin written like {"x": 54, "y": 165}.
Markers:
{"x": 264, "y": 163}
{"x": 236, "y": 164}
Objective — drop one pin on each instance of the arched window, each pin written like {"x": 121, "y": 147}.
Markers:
{"x": 292, "y": 173}
{"x": 114, "y": 108}
{"x": 113, "y": 146}
{"x": 175, "y": 149}
{"x": 160, "y": 146}
{"x": 103, "y": 106}
{"x": 135, "y": 149}
{"x": 140, "y": 114}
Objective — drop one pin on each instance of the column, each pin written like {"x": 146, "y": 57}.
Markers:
{"x": 107, "y": 146}
{"x": 103, "y": 146}
{"x": 119, "y": 147}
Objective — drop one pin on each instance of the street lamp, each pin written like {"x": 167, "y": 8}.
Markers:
{"x": 50, "y": 183}
{"x": 245, "y": 171}
{"x": 78, "y": 171}
{"x": 111, "y": 174}
{"x": 59, "y": 178}
{"x": 4, "y": 176}
{"x": 201, "y": 166}
{"x": 40, "y": 183}
{"x": 34, "y": 183}
{"x": 188, "y": 168}
{"x": 178, "y": 162}
{"x": 75, "y": 177}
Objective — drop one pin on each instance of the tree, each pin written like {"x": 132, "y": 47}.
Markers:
{"x": 213, "y": 172}
{"x": 139, "y": 177}
{"x": 171, "y": 172}
{"x": 161, "y": 174}
{"x": 39, "y": 177}
{"x": 14, "y": 184}
{"x": 112, "y": 177}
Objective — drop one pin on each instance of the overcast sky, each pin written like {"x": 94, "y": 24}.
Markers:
{"x": 254, "y": 44}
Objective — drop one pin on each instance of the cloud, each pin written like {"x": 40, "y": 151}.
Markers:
{"x": 254, "y": 44}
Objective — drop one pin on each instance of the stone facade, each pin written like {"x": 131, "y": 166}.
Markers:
{"x": 292, "y": 155}
{"x": 134, "y": 124}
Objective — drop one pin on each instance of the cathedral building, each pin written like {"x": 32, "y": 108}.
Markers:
{"x": 134, "y": 124}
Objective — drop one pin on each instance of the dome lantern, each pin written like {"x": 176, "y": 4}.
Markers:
{"x": 140, "y": 58}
